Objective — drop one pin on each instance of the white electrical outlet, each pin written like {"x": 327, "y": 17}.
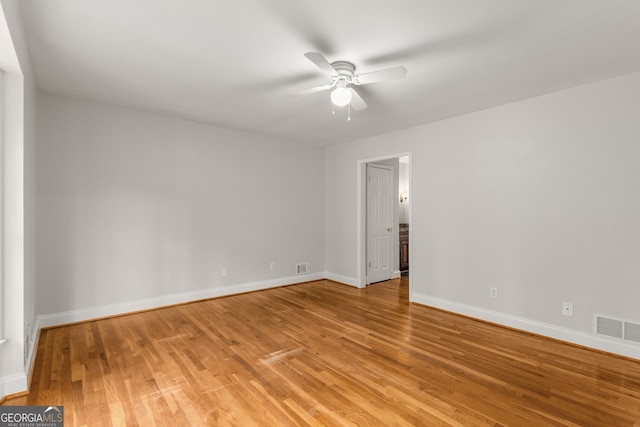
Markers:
{"x": 493, "y": 292}
{"x": 272, "y": 266}
{"x": 567, "y": 309}
{"x": 223, "y": 272}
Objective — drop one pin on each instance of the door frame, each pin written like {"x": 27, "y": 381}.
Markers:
{"x": 361, "y": 244}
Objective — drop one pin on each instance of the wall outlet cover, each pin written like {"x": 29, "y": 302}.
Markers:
{"x": 567, "y": 309}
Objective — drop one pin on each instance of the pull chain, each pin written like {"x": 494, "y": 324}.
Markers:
{"x": 333, "y": 111}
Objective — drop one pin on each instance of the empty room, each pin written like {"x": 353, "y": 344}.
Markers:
{"x": 281, "y": 212}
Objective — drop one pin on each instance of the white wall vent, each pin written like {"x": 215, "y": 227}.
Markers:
{"x": 303, "y": 268}
{"x": 632, "y": 332}
{"x": 616, "y": 328}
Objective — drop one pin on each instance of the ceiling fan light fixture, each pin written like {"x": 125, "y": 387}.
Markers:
{"x": 341, "y": 96}
{"x": 342, "y": 74}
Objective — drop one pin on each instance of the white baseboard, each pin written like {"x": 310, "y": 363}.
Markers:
{"x": 548, "y": 330}
{"x": 31, "y": 357}
{"x": 81, "y": 315}
{"x": 12, "y": 384}
{"x": 352, "y": 281}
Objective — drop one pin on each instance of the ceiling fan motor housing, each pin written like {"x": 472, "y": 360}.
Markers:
{"x": 344, "y": 69}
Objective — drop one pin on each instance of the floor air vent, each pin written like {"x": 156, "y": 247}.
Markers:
{"x": 617, "y": 328}
{"x": 302, "y": 268}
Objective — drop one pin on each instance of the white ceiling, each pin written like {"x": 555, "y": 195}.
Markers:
{"x": 233, "y": 63}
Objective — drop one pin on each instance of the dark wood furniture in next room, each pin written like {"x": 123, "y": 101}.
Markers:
{"x": 404, "y": 249}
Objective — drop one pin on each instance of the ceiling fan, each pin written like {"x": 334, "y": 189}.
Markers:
{"x": 343, "y": 78}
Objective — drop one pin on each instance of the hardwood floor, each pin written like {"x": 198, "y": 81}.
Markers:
{"x": 321, "y": 353}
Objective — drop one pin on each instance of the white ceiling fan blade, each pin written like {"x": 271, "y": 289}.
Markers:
{"x": 378, "y": 76}
{"x": 312, "y": 90}
{"x": 356, "y": 100}
{"x": 321, "y": 62}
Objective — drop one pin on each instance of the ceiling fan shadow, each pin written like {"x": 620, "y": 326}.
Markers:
{"x": 302, "y": 21}
{"x": 279, "y": 82}
{"x": 429, "y": 47}
{"x": 478, "y": 38}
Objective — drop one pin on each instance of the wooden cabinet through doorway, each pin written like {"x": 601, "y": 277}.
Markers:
{"x": 404, "y": 248}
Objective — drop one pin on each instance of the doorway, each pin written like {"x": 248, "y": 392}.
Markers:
{"x": 402, "y": 213}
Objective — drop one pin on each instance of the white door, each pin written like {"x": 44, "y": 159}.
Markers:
{"x": 379, "y": 223}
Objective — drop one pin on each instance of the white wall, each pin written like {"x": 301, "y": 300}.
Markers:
{"x": 18, "y": 202}
{"x": 538, "y": 198}
{"x": 138, "y": 210}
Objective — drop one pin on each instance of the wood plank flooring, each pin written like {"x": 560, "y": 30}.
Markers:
{"x": 322, "y": 353}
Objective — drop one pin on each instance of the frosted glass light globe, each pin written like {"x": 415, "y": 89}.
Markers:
{"x": 341, "y": 96}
